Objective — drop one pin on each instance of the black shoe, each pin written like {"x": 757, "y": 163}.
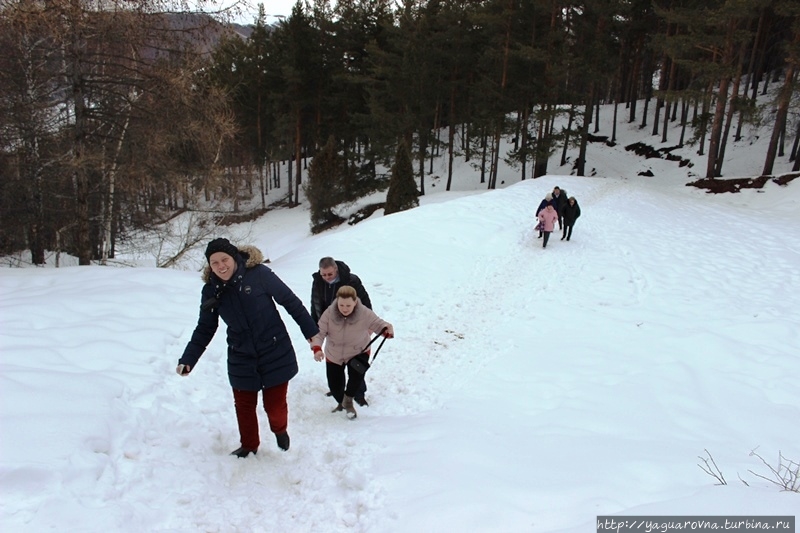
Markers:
{"x": 362, "y": 401}
{"x": 283, "y": 440}
{"x": 243, "y": 452}
{"x": 329, "y": 393}
{"x": 564, "y": 237}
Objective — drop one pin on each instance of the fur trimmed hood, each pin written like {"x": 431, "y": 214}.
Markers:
{"x": 251, "y": 255}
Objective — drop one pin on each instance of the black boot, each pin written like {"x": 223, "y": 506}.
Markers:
{"x": 283, "y": 440}
{"x": 243, "y": 452}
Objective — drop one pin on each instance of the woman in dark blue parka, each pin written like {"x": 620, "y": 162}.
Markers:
{"x": 243, "y": 292}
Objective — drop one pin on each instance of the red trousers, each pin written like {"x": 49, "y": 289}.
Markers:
{"x": 275, "y": 405}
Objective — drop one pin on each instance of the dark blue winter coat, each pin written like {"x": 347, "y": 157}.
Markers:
{"x": 545, "y": 202}
{"x": 260, "y": 352}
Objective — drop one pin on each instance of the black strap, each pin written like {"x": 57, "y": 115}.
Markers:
{"x": 376, "y": 337}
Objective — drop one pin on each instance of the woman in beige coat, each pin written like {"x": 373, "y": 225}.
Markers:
{"x": 346, "y": 327}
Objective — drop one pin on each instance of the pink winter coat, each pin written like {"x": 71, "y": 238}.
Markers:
{"x": 548, "y": 217}
{"x": 347, "y": 335}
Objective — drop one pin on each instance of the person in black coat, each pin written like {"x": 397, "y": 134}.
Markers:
{"x": 243, "y": 292}
{"x": 559, "y": 201}
{"x": 327, "y": 280}
{"x": 571, "y": 211}
{"x": 331, "y": 276}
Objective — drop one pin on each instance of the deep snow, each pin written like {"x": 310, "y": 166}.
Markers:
{"x": 526, "y": 389}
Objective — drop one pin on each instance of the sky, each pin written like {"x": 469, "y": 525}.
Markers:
{"x": 527, "y": 389}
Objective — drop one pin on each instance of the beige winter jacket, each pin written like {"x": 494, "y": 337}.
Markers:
{"x": 347, "y": 335}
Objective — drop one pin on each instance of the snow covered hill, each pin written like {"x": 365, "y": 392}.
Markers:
{"x": 528, "y": 389}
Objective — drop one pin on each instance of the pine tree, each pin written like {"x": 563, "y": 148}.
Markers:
{"x": 323, "y": 187}
{"x": 402, "y": 193}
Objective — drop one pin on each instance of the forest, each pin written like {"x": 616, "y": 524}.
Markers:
{"x": 117, "y": 115}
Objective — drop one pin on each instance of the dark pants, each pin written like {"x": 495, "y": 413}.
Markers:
{"x": 567, "y": 231}
{"x": 546, "y": 238}
{"x": 560, "y": 221}
{"x": 362, "y": 390}
{"x": 336, "y": 379}
{"x": 275, "y": 405}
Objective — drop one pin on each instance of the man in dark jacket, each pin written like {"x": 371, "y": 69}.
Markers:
{"x": 559, "y": 201}
{"x": 243, "y": 292}
{"x": 328, "y": 279}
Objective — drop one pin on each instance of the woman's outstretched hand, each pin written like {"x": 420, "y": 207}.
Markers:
{"x": 319, "y": 354}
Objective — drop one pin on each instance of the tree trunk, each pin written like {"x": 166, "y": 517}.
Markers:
{"x": 567, "y": 135}
{"x": 793, "y": 156}
{"x": 638, "y": 64}
{"x": 298, "y": 153}
{"x": 493, "y": 169}
{"x": 668, "y": 102}
{"x": 784, "y": 99}
{"x": 597, "y": 116}
{"x": 722, "y": 101}
{"x": 503, "y": 83}
{"x": 37, "y": 223}
{"x": 484, "y": 142}
{"x": 108, "y": 211}
{"x": 524, "y": 141}
{"x": 704, "y": 122}
{"x": 684, "y": 117}
{"x": 451, "y": 136}
{"x": 731, "y": 109}
{"x": 587, "y": 117}
{"x": 751, "y": 64}
{"x": 423, "y": 149}
{"x": 643, "y": 125}
{"x": 79, "y": 178}
{"x": 662, "y": 85}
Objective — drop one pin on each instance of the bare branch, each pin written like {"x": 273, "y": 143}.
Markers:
{"x": 785, "y": 475}
{"x": 711, "y": 468}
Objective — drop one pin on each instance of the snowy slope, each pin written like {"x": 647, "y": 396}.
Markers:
{"x": 527, "y": 389}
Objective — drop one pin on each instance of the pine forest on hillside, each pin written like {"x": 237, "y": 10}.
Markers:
{"x": 114, "y": 121}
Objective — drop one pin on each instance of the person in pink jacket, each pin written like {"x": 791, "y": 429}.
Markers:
{"x": 547, "y": 218}
{"x": 346, "y": 327}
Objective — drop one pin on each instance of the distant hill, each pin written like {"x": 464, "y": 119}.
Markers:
{"x": 205, "y": 30}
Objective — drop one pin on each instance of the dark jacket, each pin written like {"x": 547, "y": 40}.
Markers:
{"x": 544, "y": 203}
{"x": 260, "y": 352}
{"x": 324, "y": 293}
{"x": 571, "y": 213}
{"x": 560, "y": 201}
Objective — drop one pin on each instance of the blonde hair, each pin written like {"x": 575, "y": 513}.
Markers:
{"x": 346, "y": 291}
